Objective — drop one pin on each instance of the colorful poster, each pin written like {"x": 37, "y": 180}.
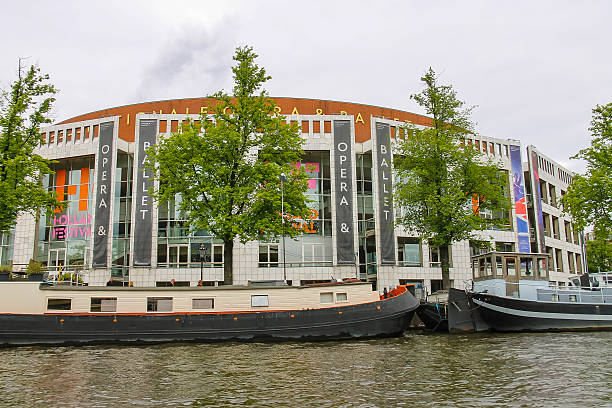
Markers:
{"x": 385, "y": 220}
{"x": 343, "y": 184}
{"x": 537, "y": 199}
{"x": 520, "y": 203}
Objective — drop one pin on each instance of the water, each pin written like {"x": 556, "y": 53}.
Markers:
{"x": 417, "y": 370}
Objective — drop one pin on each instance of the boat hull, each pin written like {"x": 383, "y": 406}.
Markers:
{"x": 389, "y": 317}
{"x": 514, "y": 315}
{"x": 433, "y": 315}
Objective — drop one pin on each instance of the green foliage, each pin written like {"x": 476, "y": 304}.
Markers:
{"x": 437, "y": 176}
{"x": 70, "y": 277}
{"x": 35, "y": 268}
{"x": 599, "y": 251}
{"x": 22, "y": 111}
{"x": 227, "y": 166}
{"x": 589, "y": 196}
{"x": 6, "y": 269}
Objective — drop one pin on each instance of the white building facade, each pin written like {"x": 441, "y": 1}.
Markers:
{"x": 112, "y": 227}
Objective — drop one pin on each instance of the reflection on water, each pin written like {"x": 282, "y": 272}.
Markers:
{"x": 519, "y": 370}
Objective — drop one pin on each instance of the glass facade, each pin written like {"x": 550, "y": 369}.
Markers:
{"x": 313, "y": 247}
{"x": 365, "y": 216}
{"x": 122, "y": 215}
{"x": 64, "y": 238}
{"x": 177, "y": 246}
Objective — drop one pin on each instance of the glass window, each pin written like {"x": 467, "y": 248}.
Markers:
{"x": 159, "y": 304}
{"x": 103, "y": 304}
{"x": 327, "y": 297}
{"x": 341, "y": 297}
{"x": 511, "y": 266}
{"x": 259, "y": 301}
{"x": 526, "y": 267}
{"x": 202, "y": 303}
{"x": 59, "y": 304}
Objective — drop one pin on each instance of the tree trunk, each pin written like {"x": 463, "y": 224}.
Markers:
{"x": 228, "y": 257}
{"x": 445, "y": 262}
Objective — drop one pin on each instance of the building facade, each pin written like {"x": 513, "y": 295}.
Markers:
{"x": 112, "y": 227}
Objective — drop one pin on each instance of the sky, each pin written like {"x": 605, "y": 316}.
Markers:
{"x": 534, "y": 69}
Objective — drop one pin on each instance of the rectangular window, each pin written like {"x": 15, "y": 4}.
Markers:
{"x": 327, "y": 297}
{"x": 409, "y": 251}
{"x": 59, "y": 304}
{"x": 159, "y": 304}
{"x": 259, "y": 301}
{"x": 202, "y": 303}
{"x": 103, "y": 305}
{"x": 341, "y": 297}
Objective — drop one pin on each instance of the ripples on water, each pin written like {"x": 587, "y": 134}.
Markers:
{"x": 518, "y": 370}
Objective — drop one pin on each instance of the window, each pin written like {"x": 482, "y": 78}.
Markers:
{"x": 202, "y": 303}
{"x": 59, "y": 304}
{"x": 555, "y": 297}
{"x": 572, "y": 298}
{"x": 409, "y": 251}
{"x": 435, "y": 261}
{"x": 501, "y": 246}
{"x": 268, "y": 255}
{"x": 327, "y": 297}
{"x": 341, "y": 297}
{"x": 159, "y": 304}
{"x": 103, "y": 305}
{"x": 259, "y": 301}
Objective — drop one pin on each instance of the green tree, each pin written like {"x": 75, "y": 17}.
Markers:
{"x": 23, "y": 110}
{"x": 227, "y": 167}
{"x": 599, "y": 251}
{"x": 589, "y": 196}
{"x": 438, "y": 176}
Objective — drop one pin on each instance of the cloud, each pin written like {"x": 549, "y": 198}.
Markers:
{"x": 193, "y": 63}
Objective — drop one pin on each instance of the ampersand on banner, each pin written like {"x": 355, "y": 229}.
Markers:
{"x": 101, "y": 230}
{"x": 344, "y": 227}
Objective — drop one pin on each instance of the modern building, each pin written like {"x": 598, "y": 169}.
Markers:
{"x": 112, "y": 227}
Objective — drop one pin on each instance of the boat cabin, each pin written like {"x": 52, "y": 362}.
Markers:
{"x": 514, "y": 274}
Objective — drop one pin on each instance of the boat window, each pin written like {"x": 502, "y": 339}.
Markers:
{"x": 341, "y": 297}
{"x": 59, "y": 304}
{"x": 526, "y": 268}
{"x": 572, "y": 298}
{"x": 103, "y": 304}
{"x": 327, "y": 297}
{"x": 159, "y": 304}
{"x": 202, "y": 303}
{"x": 511, "y": 266}
{"x": 555, "y": 297}
{"x": 259, "y": 301}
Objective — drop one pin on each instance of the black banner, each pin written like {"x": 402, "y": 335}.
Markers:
{"x": 385, "y": 220}
{"x": 105, "y": 171}
{"x": 343, "y": 183}
{"x": 143, "y": 220}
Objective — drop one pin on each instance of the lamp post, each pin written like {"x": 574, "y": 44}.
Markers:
{"x": 202, "y": 253}
{"x": 282, "y": 180}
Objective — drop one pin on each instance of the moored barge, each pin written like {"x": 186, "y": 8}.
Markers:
{"x": 34, "y": 313}
{"x": 511, "y": 293}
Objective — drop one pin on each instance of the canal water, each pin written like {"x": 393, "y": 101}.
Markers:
{"x": 417, "y": 370}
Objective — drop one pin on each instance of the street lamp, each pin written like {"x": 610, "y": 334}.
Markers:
{"x": 282, "y": 180}
{"x": 202, "y": 253}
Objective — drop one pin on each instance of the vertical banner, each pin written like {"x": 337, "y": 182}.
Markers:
{"x": 143, "y": 218}
{"x": 105, "y": 172}
{"x": 383, "y": 159}
{"x": 343, "y": 185}
{"x": 520, "y": 204}
{"x": 537, "y": 198}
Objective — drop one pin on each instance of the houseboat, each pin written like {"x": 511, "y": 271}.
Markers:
{"x": 44, "y": 313}
{"x": 511, "y": 292}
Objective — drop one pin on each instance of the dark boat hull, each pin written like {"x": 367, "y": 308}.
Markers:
{"x": 389, "y": 317}
{"x": 513, "y": 315}
{"x": 433, "y": 315}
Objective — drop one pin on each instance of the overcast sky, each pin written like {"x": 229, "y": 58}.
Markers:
{"x": 535, "y": 69}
